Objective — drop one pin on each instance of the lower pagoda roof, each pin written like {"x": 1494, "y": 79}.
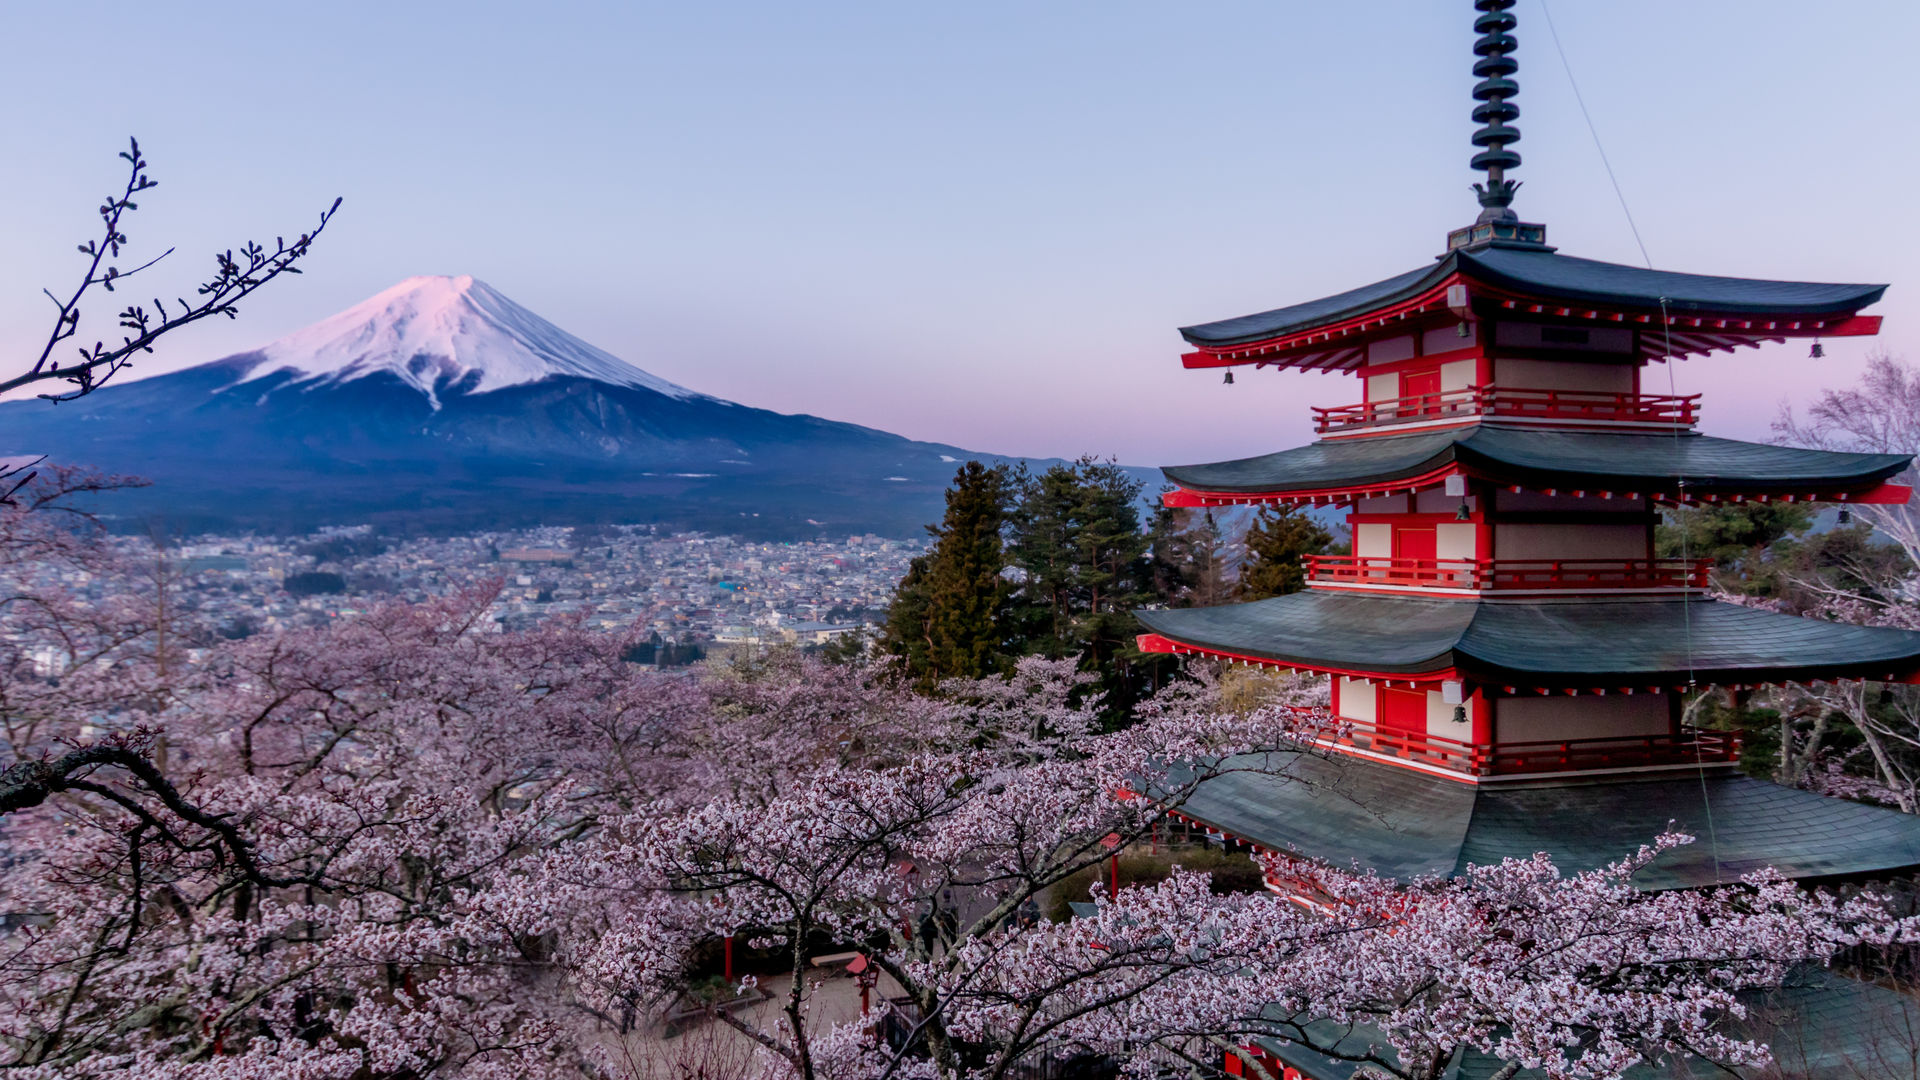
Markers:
{"x": 1590, "y": 461}
{"x": 1403, "y": 823}
{"x": 1820, "y": 1025}
{"x": 1545, "y": 275}
{"x": 1575, "y": 643}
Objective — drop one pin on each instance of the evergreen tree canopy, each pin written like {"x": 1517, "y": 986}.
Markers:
{"x": 1276, "y": 541}
{"x": 947, "y": 616}
{"x": 1735, "y": 536}
{"x": 1192, "y": 566}
{"x": 1082, "y": 562}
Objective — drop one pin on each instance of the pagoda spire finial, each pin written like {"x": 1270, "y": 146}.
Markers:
{"x": 1497, "y": 225}
{"x": 1496, "y": 112}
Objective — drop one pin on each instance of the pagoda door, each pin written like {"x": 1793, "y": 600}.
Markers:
{"x": 1422, "y": 388}
{"x": 1414, "y": 552}
{"x": 1403, "y": 713}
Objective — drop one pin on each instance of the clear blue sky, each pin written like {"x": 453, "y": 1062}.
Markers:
{"x": 978, "y": 223}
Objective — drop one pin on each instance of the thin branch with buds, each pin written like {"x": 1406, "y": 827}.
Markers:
{"x": 236, "y": 276}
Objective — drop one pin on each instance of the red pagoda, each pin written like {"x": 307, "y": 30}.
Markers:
{"x": 1508, "y": 654}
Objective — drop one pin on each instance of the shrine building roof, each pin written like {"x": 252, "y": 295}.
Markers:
{"x": 1585, "y": 643}
{"x": 1820, "y": 1025}
{"x": 1405, "y": 823}
{"x": 1593, "y": 461}
{"x": 1540, "y": 273}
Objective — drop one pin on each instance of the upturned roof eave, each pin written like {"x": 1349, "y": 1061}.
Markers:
{"x": 1391, "y": 291}
{"x": 1681, "y": 292}
{"x": 1827, "y": 472}
{"x": 1548, "y": 643}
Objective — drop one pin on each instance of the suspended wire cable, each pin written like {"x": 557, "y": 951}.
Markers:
{"x": 1547, "y": 11}
{"x": 1680, "y": 479}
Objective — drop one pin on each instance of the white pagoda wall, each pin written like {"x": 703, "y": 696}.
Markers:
{"x": 1456, "y": 375}
{"x": 1357, "y": 701}
{"x": 1456, "y": 541}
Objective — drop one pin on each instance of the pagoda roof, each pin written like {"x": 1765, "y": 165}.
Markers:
{"x": 1593, "y": 461}
{"x": 1405, "y": 823}
{"x": 1562, "y": 643}
{"x": 1540, "y": 273}
{"x": 1820, "y": 1025}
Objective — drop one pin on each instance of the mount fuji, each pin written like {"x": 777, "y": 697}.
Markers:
{"x": 441, "y": 404}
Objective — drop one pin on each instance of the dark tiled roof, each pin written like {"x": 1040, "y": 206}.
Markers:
{"x": 1563, "y": 459}
{"x": 1402, "y": 823}
{"x": 1822, "y": 1026}
{"x": 1317, "y": 312}
{"x": 1629, "y": 642}
{"x": 1551, "y": 276}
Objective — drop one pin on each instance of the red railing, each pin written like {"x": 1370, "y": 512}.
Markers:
{"x": 1690, "y": 746}
{"x": 1485, "y": 574}
{"x": 1569, "y": 405}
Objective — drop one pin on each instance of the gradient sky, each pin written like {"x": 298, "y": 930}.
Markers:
{"x": 975, "y": 223}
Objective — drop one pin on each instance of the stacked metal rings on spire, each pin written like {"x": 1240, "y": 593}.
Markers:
{"x": 1496, "y": 112}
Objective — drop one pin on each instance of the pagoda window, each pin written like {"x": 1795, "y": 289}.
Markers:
{"x": 1576, "y": 339}
{"x": 1391, "y": 351}
{"x": 1570, "y": 541}
{"x": 1527, "y": 373}
{"x": 1586, "y": 716}
{"x": 1446, "y": 339}
{"x": 1439, "y": 502}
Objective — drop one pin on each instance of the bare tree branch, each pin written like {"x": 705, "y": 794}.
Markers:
{"x": 235, "y": 277}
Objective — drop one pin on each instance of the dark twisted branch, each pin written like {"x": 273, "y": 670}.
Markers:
{"x": 235, "y": 277}
{"x": 28, "y": 784}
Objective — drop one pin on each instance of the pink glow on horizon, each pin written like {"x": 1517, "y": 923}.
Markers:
{"x": 974, "y": 225}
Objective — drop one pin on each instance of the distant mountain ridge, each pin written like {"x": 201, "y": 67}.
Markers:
{"x": 441, "y": 404}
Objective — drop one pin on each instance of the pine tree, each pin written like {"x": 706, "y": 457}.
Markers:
{"x": 1192, "y": 566}
{"x": 1082, "y": 561}
{"x": 1275, "y": 543}
{"x": 947, "y": 617}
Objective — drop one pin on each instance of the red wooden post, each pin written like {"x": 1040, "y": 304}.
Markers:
{"x": 1111, "y": 842}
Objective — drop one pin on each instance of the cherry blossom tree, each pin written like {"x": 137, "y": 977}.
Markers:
{"x": 1881, "y": 414}
{"x": 412, "y": 845}
{"x": 922, "y": 865}
{"x": 295, "y": 861}
{"x": 1577, "y": 977}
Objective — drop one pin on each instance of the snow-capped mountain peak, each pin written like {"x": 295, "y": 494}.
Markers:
{"x": 458, "y": 329}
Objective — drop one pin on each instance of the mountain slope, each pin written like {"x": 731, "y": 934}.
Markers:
{"x": 441, "y": 404}
{"x": 454, "y": 330}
